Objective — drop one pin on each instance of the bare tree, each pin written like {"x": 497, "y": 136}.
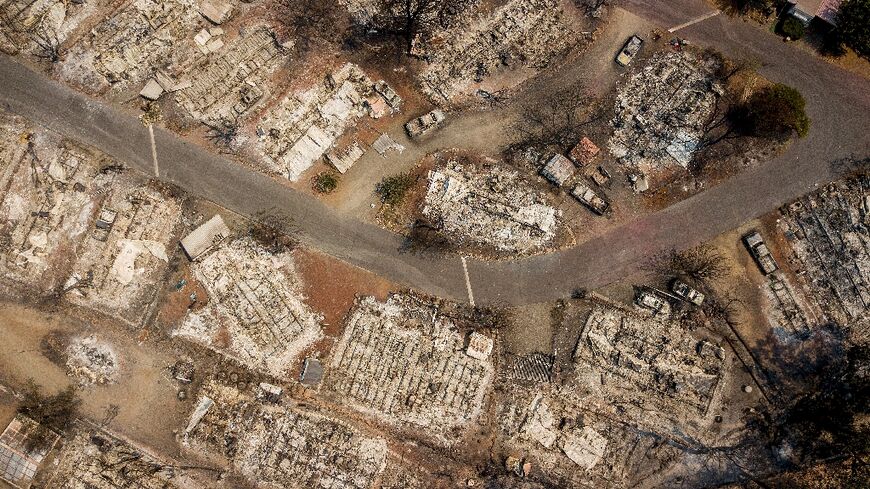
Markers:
{"x": 427, "y": 237}
{"x": 408, "y": 20}
{"x": 305, "y": 21}
{"x": 47, "y": 45}
{"x": 496, "y": 99}
{"x": 702, "y": 264}
{"x": 54, "y": 413}
{"x": 555, "y": 124}
{"x": 223, "y": 133}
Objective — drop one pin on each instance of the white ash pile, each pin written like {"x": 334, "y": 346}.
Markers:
{"x": 305, "y": 125}
{"x": 281, "y": 445}
{"x": 226, "y": 86}
{"x": 124, "y": 256}
{"x": 661, "y": 112}
{"x": 91, "y": 361}
{"x": 489, "y": 208}
{"x": 829, "y": 235}
{"x": 96, "y": 459}
{"x": 522, "y": 33}
{"x": 405, "y": 363}
{"x": 126, "y": 48}
{"x": 256, "y": 312}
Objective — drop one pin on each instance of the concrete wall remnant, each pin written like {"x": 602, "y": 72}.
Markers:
{"x": 280, "y": 445}
{"x": 229, "y": 84}
{"x": 304, "y": 126}
{"x": 529, "y": 32}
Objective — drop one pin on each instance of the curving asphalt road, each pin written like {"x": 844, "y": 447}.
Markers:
{"x": 837, "y": 101}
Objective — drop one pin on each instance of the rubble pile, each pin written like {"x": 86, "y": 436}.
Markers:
{"x": 38, "y": 27}
{"x": 363, "y": 8}
{"x": 45, "y": 207}
{"x": 95, "y": 459}
{"x": 785, "y": 310}
{"x": 573, "y": 446}
{"x": 490, "y": 208}
{"x": 91, "y": 361}
{"x": 141, "y": 36}
{"x": 534, "y": 367}
{"x": 227, "y": 86}
{"x": 255, "y": 312}
{"x": 653, "y": 369}
{"x": 404, "y": 363}
{"x": 661, "y": 112}
{"x": 125, "y": 254}
{"x": 282, "y": 445}
{"x": 23, "y": 446}
{"x": 304, "y": 126}
{"x": 830, "y": 243}
{"x": 527, "y": 33}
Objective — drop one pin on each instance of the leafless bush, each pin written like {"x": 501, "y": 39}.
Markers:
{"x": 556, "y": 124}
{"x": 223, "y": 133}
{"x": 47, "y": 45}
{"x": 702, "y": 264}
{"x": 272, "y": 232}
{"x": 53, "y": 413}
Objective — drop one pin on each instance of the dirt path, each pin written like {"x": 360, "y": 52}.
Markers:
{"x": 489, "y": 131}
{"x": 148, "y": 409}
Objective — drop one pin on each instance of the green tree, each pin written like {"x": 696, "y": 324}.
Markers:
{"x": 774, "y": 111}
{"x": 854, "y": 25}
{"x": 792, "y": 28}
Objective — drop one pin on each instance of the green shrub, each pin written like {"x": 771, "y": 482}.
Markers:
{"x": 393, "y": 189}
{"x": 792, "y": 28}
{"x": 325, "y": 182}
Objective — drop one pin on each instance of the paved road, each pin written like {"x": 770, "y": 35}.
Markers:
{"x": 837, "y": 101}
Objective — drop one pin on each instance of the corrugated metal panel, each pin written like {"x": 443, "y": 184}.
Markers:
{"x": 205, "y": 237}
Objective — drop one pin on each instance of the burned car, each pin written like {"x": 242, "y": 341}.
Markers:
{"x": 687, "y": 293}
{"x": 760, "y": 252}
{"x": 425, "y": 123}
{"x": 590, "y": 199}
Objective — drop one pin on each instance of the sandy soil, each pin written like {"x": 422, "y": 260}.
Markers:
{"x": 142, "y": 389}
{"x": 331, "y": 286}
